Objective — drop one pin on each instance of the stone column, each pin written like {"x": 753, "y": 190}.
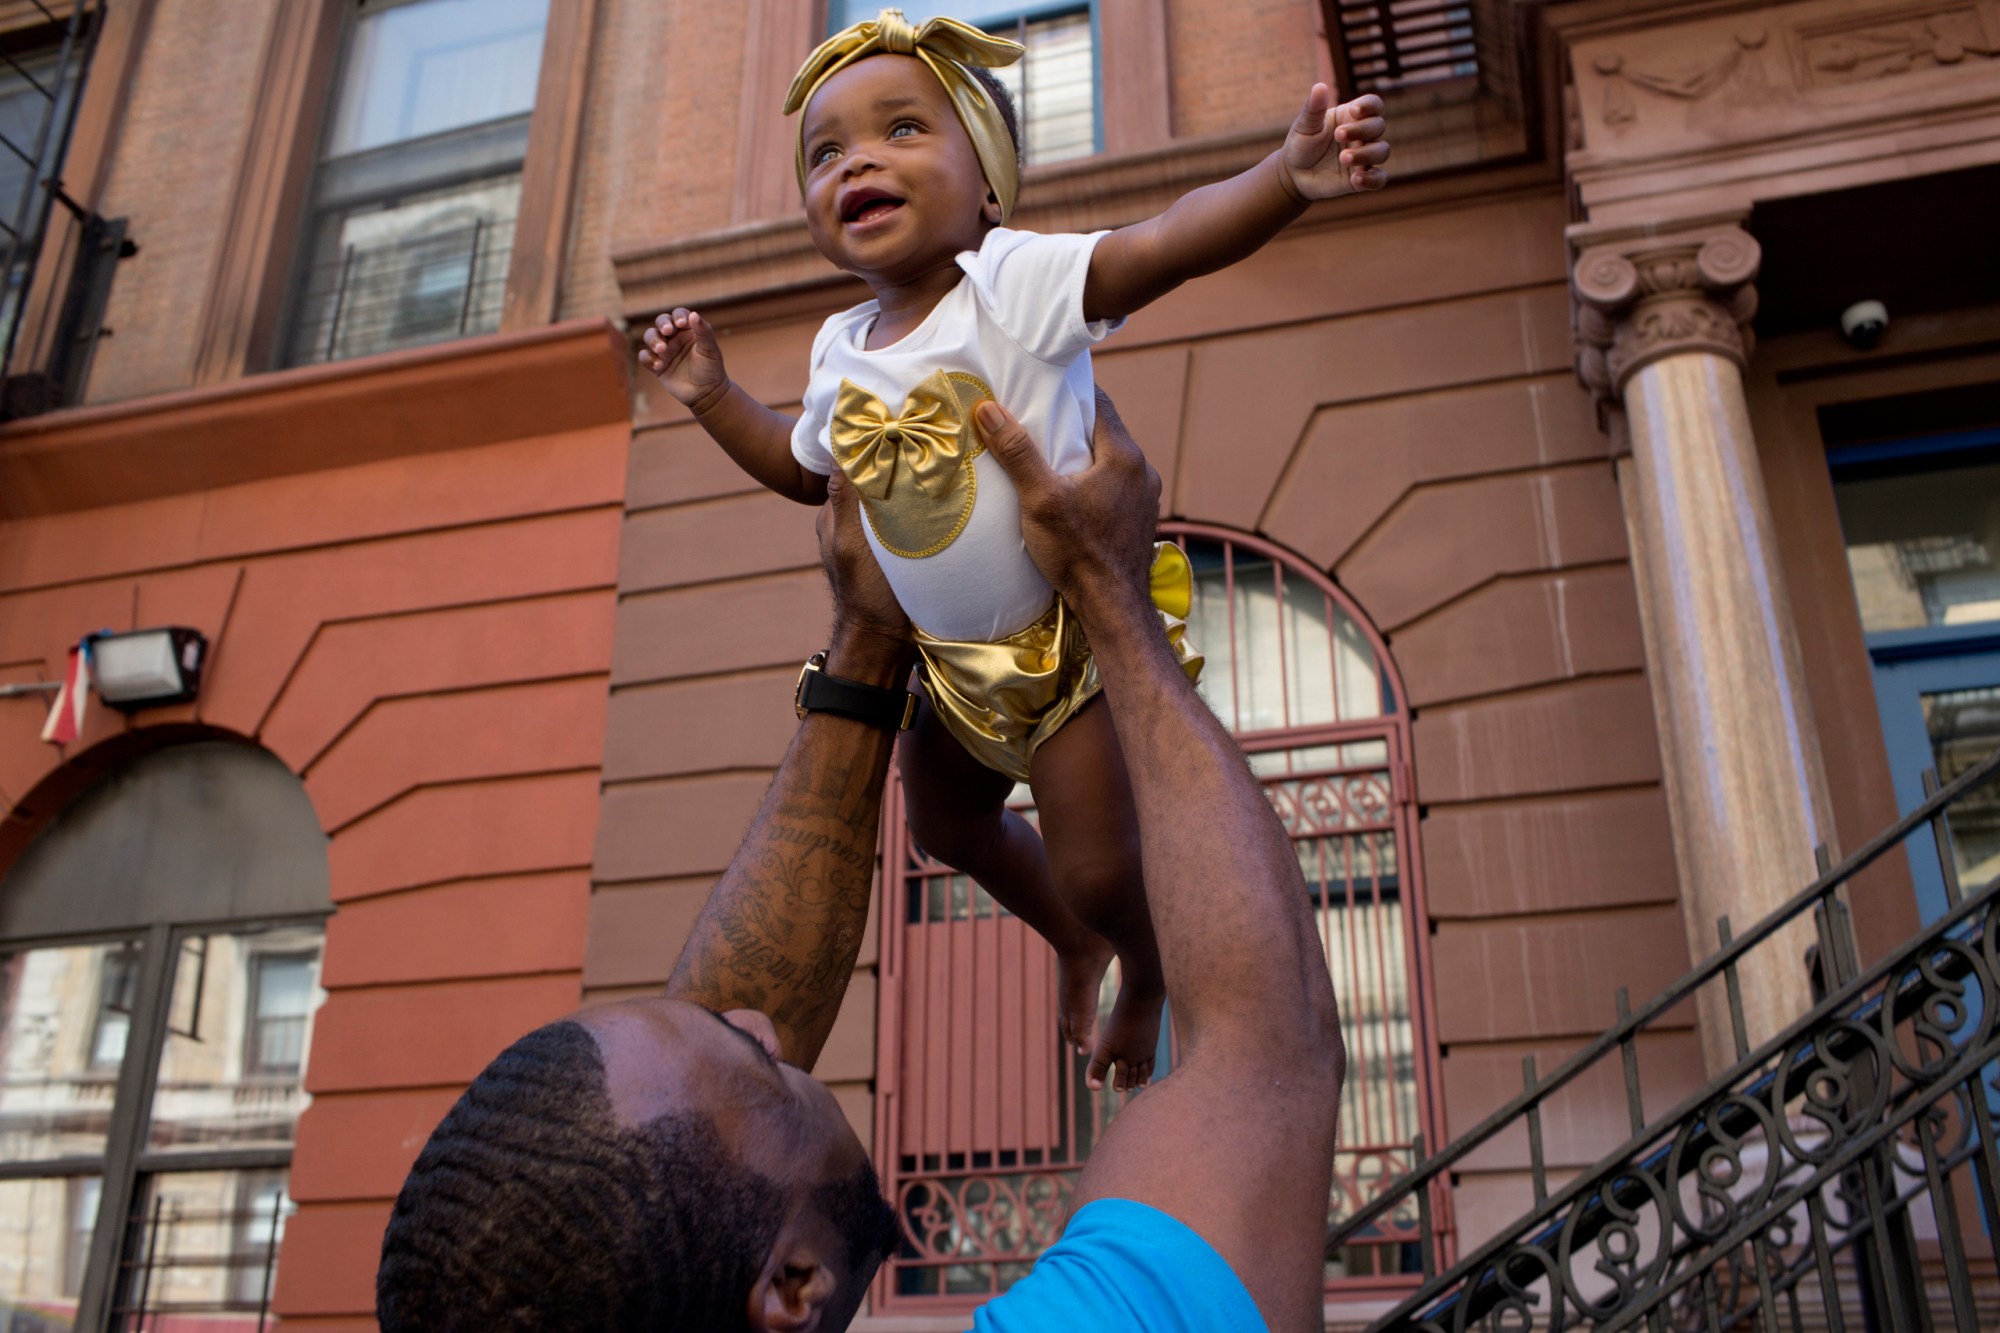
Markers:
{"x": 1662, "y": 323}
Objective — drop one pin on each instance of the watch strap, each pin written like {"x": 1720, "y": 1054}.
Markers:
{"x": 819, "y": 691}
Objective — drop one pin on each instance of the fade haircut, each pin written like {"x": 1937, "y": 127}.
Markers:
{"x": 532, "y": 1208}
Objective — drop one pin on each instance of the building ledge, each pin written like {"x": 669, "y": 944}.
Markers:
{"x": 773, "y": 267}
{"x": 455, "y": 395}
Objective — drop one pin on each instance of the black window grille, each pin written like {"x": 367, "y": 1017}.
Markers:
{"x": 1384, "y": 45}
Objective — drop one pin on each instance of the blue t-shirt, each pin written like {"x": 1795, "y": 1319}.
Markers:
{"x": 1124, "y": 1265}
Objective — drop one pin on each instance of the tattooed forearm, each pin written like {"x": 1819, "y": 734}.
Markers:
{"x": 781, "y": 931}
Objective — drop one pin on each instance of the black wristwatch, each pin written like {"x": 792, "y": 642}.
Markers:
{"x": 820, "y": 692}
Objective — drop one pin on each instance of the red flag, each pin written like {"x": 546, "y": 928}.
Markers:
{"x": 65, "y": 722}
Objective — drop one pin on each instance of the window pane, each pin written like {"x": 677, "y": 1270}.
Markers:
{"x": 410, "y": 272}
{"x": 44, "y": 1243}
{"x": 1921, "y": 545}
{"x": 230, "y": 1073}
{"x": 1280, "y": 652}
{"x": 203, "y": 1243}
{"x": 66, "y": 1015}
{"x": 418, "y": 69}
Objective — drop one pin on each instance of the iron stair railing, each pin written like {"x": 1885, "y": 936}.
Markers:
{"x": 1787, "y": 1193}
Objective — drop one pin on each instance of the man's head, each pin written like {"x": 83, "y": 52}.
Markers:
{"x": 894, "y": 184}
{"x": 646, "y": 1165}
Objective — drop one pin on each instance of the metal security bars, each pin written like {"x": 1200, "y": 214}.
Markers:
{"x": 983, "y": 1121}
{"x": 1843, "y": 1175}
{"x": 1382, "y": 45}
{"x": 38, "y": 100}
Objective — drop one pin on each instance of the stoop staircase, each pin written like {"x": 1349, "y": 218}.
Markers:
{"x": 1845, "y": 1175}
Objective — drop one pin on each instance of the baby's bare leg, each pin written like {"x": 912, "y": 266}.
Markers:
{"x": 1092, "y": 832}
{"x": 959, "y": 815}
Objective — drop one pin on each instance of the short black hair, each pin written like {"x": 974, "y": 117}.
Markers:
{"x": 532, "y": 1208}
{"x": 1009, "y": 113}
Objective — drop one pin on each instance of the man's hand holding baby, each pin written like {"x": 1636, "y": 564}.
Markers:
{"x": 1332, "y": 150}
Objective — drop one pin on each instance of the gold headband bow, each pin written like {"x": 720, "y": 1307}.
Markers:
{"x": 948, "y": 47}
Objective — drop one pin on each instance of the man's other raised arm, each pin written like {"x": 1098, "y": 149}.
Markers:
{"x": 1238, "y": 1141}
{"x": 782, "y": 928}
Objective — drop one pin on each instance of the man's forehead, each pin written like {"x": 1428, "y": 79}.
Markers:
{"x": 643, "y": 1043}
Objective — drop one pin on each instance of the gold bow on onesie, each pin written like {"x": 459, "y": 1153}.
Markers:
{"x": 913, "y": 467}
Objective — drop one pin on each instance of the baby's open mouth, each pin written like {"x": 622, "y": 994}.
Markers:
{"x": 867, "y": 205}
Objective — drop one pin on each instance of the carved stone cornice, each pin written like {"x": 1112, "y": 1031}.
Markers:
{"x": 1641, "y": 296}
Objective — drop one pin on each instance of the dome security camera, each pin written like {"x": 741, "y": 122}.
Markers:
{"x": 1864, "y": 323}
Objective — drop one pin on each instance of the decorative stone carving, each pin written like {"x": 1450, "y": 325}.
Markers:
{"x": 1689, "y": 84}
{"x": 1876, "y": 48}
{"x": 1641, "y": 298}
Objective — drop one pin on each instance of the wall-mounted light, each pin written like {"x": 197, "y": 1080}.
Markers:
{"x": 148, "y": 668}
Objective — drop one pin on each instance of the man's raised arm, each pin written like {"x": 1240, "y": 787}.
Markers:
{"x": 1238, "y": 1142}
{"x": 782, "y": 928}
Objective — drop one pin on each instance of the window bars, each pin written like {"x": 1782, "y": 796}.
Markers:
{"x": 38, "y": 100}
{"x": 1844, "y": 1174}
{"x": 1382, "y": 45}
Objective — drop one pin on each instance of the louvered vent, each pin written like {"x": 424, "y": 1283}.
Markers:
{"x": 1404, "y": 43}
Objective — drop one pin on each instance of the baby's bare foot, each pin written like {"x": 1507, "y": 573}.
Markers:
{"x": 1131, "y": 1038}
{"x": 1079, "y": 973}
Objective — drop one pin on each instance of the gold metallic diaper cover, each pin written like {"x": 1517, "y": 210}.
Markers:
{"x": 913, "y": 467}
{"x": 1002, "y": 700}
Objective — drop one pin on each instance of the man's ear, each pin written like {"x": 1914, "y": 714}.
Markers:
{"x": 791, "y": 1294}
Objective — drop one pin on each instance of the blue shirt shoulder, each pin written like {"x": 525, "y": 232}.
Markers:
{"x": 1125, "y": 1265}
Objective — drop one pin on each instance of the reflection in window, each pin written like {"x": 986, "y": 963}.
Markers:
{"x": 119, "y": 980}
{"x": 284, "y": 990}
{"x": 205, "y": 1243}
{"x": 44, "y": 1238}
{"x": 55, "y": 1093}
{"x": 229, "y": 1073}
{"x": 1922, "y": 536}
{"x": 415, "y": 200}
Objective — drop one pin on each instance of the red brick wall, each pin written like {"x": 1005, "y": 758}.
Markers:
{"x": 425, "y": 640}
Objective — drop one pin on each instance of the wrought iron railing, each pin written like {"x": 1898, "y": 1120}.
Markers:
{"x": 409, "y": 291}
{"x": 1792, "y": 1190}
{"x": 40, "y": 102}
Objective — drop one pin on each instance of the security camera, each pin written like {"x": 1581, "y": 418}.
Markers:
{"x": 1864, "y": 323}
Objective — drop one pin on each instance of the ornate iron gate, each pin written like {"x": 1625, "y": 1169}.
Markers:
{"x": 983, "y": 1122}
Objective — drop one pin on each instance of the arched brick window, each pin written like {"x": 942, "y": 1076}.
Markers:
{"x": 983, "y": 1122}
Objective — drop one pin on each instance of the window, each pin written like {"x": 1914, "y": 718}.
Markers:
{"x": 282, "y": 987}
{"x": 990, "y": 1122}
{"x": 152, "y": 1049}
{"x": 1055, "y": 85}
{"x": 412, "y": 217}
{"x": 39, "y": 82}
{"x": 119, "y": 975}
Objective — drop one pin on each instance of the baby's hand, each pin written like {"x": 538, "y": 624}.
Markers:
{"x": 681, "y": 350}
{"x": 1312, "y": 166}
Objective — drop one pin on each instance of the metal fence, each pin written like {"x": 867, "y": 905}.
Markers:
{"x": 1842, "y": 1175}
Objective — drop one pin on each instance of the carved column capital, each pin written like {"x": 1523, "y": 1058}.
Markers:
{"x": 1639, "y": 297}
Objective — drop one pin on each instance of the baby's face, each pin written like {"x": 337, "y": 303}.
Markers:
{"x": 893, "y": 185}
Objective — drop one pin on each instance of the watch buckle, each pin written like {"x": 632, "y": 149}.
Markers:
{"x": 799, "y": 690}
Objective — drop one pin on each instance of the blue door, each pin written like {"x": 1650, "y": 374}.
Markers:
{"x": 1921, "y": 519}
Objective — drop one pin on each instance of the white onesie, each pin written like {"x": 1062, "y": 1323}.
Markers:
{"x": 1015, "y": 323}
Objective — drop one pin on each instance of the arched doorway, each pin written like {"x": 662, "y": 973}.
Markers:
{"x": 159, "y": 970}
{"x": 983, "y": 1122}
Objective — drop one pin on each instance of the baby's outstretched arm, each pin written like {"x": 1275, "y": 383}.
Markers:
{"x": 1330, "y": 150}
{"x": 681, "y": 350}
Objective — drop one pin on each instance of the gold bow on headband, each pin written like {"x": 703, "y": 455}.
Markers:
{"x": 948, "y": 47}
{"x": 913, "y": 468}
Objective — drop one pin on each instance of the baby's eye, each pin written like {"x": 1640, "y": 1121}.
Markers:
{"x": 904, "y": 129}
{"x": 824, "y": 154}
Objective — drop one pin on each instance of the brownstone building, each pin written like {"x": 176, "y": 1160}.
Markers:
{"x": 1570, "y": 571}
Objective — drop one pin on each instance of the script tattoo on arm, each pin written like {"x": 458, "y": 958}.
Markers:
{"x": 781, "y": 930}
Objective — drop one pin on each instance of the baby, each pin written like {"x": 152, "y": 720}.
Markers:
{"x": 909, "y": 161}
